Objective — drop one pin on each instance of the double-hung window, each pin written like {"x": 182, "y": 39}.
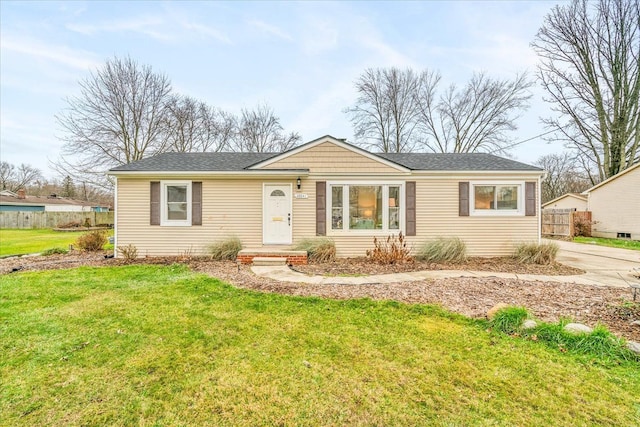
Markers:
{"x": 361, "y": 206}
{"x": 175, "y": 202}
{"x": 497, "y": 198}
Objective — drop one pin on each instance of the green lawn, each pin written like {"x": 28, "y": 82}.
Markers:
{"x": 28, "y": 241}
{"x": 614, "y": 243}
{"x": 160, "y": 345}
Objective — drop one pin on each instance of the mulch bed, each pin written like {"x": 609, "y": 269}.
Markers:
{"x": 468, "y": 296}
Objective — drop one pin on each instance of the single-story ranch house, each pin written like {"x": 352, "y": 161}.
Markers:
{"x": 177, "y": 203}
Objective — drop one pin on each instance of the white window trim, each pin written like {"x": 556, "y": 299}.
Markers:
{"x": 496, "y": 212}
{"x": 164, "y": 214}
{"x": 345, "y": 231}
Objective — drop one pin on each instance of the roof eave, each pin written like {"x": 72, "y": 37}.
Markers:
{"x": 243, "y": 173}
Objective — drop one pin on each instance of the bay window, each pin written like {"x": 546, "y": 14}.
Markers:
{"x": 365, "y": 206}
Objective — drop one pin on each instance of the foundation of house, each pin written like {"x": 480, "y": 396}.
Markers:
{"x": 271, "y": 256}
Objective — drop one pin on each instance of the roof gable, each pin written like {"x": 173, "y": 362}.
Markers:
{"x": 328, "y": 139}
{"x": 616, "y": 176}
{"x": 564, "y": 196}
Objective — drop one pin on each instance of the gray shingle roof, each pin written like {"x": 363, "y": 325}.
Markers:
{"x": 456, "y": 162}
{"x": 196, "y": 162}
{"x": 229, "y": 162}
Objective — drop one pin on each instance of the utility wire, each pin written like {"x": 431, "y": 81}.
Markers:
{"x": 521, "y": 142}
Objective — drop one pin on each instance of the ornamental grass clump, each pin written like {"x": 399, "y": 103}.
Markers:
{"x": 226, "y": 249}
{"x": 392, "y": 250}
{"x": 534, "y": 253}
{"x": 510, "y": 319}
{"x": 319, "y": 249}
{"x": 55, "y": 251}
{"x": 92, "y": 241}
{"x": 443, "y": 249}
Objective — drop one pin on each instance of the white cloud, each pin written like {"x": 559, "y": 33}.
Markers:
{"x": 61, "y": 54}
{"x": 206, "y": 31}
{"x": 148, "y": 26}
{"x": 270, "y": 29}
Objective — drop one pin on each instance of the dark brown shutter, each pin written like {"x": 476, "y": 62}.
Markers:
{"x": 196, "y": 203}
{"x": 463, "y": 198}
{"x": 530, "y": 198}
{"x": 321, "y": 208}
{"x": 411, "y": 208}
{"x": 155, "y": 203}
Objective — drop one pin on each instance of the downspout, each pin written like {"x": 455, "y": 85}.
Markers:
{"x": 115, "y": 220}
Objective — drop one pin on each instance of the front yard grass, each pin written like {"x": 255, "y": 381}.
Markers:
{"x": 161, "y": 345}
{"x": 29, "y": 241}
{"x": 614, "y": 243}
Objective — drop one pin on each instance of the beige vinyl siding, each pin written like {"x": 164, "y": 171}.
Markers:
{"x": 615, "y": 206}
{"x": 234, "y": 207}
{"x": 228, "y": 208}
{"x": 330, "y": 158}
{"x": 568, "y": 202}
{"x": 436, "y": 216}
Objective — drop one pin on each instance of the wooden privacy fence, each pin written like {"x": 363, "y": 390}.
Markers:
{"x": 20, "y": 219}
{"x": 566, "y": 223}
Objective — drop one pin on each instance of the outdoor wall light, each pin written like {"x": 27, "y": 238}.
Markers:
{"x": 299, "y": 182}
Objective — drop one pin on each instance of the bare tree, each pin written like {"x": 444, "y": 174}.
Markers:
{"x": 259, "y": 131}
{"x": 564, "y": 175}
{"x": 194, "y": 126}
{"x": 399, "y": 111}
{"x": 475, "y": 118}
{"x": 119, "y": 117}
{"x": 385, "y": 114}
{"x": 590, "y": 69}
{"x": 13, "y": 179}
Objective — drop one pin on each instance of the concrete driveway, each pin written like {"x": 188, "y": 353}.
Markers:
{"x": 602, "y": 264}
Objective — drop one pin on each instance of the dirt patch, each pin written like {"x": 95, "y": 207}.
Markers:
{"x": 471, "y": 297}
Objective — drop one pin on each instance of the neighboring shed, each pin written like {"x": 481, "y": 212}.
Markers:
{"x": 615, "y": 205}
{"x": 19, "y": 202}
{"x": 574, "y": 201}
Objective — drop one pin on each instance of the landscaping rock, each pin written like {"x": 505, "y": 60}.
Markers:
{"x": 496, "y": 308}
{"x": 634, "y": 346}
{"x": 577, "y": 328}
{"x": 635, "y": 323}
{"x": 529, "y": 324}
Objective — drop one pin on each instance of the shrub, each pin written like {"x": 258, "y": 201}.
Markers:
{"x": 319, "y": 249}
{"x": 54, "y": 251}
{"x": 581, "y": 226}
{"x": 92, "y": 241}
{"x": 510, "y": 319}
{"x": 534, "y": 253}
{"x": 226, "y": 249}
{"x": 392, "y": 250}
{"x": 443, "y": 249}
{"x": 129, "y": 252}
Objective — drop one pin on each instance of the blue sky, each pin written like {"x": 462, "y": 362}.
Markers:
{"x": 299, "y": 57}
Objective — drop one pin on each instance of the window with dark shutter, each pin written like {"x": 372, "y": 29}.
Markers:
{"x": 411, "y": 208}
{"x": 463, "y": 199}
{"x": 321, "y": 208}
{"x": 530, "y": 199}
{"x": 155, "y": 203}
{"x": 196, "y": 203}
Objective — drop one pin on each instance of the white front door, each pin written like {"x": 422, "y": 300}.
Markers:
{"x": 276, "y": 229}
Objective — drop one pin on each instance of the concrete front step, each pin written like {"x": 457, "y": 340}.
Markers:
{"x": 248, "y": 256}
{"x": 269, "y": 261}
